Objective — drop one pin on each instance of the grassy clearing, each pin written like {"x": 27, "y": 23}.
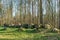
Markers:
{"x": 27, "y": 34}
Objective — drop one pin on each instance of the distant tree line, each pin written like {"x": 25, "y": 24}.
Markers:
{"x": 31, "y": 12}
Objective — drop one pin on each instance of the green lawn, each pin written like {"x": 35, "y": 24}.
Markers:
{"x": 27, "y": 34}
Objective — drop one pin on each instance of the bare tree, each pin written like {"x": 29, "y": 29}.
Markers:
{"x": 0, "y": 13}
{"x": 59, "y": 14}
{"x": 41, "y": 14}
{"x": 29, "y": 13}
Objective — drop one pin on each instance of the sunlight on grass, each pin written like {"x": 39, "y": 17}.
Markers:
{"x": 26, "y": 34}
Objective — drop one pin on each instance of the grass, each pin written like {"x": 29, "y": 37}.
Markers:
{"x": 27, "y": 34}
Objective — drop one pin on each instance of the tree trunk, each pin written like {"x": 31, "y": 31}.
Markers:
{"x": 41, "y": 15}
{"x": 59, "y": 14}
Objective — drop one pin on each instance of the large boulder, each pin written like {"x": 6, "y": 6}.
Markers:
{"x": 34, "y": 26}
{"x": 25, "y": 26}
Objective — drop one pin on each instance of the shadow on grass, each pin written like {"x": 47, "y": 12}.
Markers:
{"x": 2, "y": 29}
{"x": 31, "y": 31}
{"x": 26, "y": 31}
{"x": 16, "y": 30}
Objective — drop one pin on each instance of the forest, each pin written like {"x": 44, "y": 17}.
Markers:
{"x": 32, "y": 19}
